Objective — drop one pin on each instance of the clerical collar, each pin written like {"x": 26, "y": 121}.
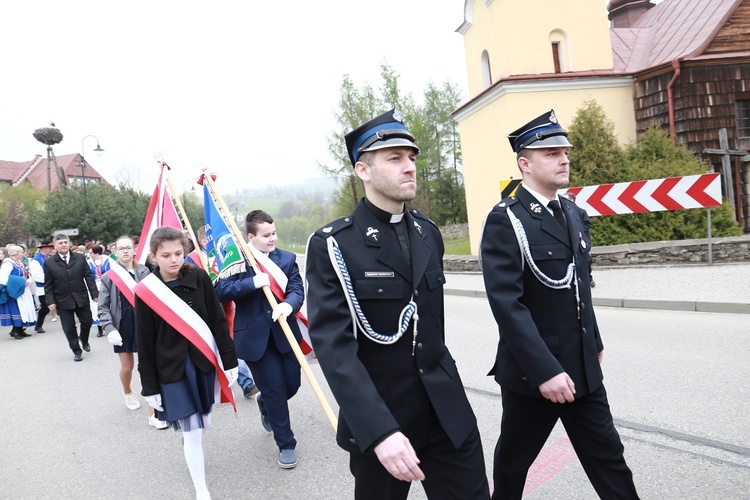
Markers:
{"x": 382, "y": 215}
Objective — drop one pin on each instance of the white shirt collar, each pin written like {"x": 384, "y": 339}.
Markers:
{"x": 543, "y": 200}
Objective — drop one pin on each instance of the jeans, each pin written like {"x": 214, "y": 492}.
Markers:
{"x": 244, "y": 379}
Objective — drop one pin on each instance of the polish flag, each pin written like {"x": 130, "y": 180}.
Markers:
{"x": 161, "y": 212}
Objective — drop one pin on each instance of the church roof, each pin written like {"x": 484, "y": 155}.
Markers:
{"x": 674, "y": 29}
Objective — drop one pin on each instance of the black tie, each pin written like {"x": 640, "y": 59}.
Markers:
{"x": 65, "y": 259}
{"x": 557, "y": 212}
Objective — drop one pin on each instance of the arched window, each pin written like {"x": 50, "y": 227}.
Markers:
{"x": 486, "y": 71}
{"x": 561, "y": 60}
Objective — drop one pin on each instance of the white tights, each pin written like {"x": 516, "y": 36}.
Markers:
{"x": 193, "y": 447}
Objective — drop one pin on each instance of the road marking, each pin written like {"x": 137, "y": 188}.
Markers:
{"x": 551, "y": 460}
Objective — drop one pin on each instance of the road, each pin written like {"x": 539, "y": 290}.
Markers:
{"x": 676, "y": 381}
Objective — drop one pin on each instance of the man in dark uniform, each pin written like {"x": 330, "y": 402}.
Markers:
{"x": 375, "y": 309}
{"x": 534, "y": 253}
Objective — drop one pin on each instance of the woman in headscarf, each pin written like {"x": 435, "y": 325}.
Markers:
{"x": 19, "y": 310}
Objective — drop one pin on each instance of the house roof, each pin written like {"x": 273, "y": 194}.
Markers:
{"x": 35, "y": 171}
{"x": 674, "y": 29}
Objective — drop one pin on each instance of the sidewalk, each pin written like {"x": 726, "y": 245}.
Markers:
{"x": 723, "y": 288}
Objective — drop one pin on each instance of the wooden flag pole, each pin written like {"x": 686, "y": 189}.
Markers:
{"x": 183, "y": 213}
{"x": 240, "y": 239}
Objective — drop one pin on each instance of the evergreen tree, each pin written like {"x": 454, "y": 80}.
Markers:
{"x": 596, "y": 158}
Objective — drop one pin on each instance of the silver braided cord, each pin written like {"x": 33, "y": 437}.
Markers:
{"x": 523, "y": 244}
{"x": 358, "y": 316}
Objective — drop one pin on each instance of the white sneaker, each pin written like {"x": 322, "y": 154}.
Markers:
{"x": 159, "y": 424}
{"x": 132, "y": 402}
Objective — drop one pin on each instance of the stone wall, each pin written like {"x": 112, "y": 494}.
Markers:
{"x": 656, "y": 253}
{"x": 455, "y": 231}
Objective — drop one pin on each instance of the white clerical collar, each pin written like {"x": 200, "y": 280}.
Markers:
{"x": 396, "y": 218}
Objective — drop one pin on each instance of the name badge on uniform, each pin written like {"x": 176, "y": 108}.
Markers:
{"x": 379, "y": 274}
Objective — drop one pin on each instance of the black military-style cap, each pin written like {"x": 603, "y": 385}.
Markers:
{"x": 543, "y": 131}
{"x": 384, "y": 131}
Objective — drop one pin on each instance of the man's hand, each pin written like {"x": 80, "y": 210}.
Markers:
{"x": 52, "y": 307}
{"x": 559, "y": 389}
{"x": 601, "y": 356}
{"x": 281, "y": 309}
{"x": 399, "y": 458}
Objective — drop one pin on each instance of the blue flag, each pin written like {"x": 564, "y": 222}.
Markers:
{"x": 224, "y": 255}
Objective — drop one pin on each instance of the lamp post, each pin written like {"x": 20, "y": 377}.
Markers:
{"x": 97, "y": 150}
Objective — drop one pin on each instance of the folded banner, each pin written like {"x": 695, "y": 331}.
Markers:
{"x": 161, "y": 212}
{"x": 278, "y": 282}
{"x": 189, "y": 324}
{"x": 123, "y": 281}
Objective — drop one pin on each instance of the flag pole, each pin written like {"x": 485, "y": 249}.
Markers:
{"x": 240, "y": 239}
{"x": 185, "y": 219}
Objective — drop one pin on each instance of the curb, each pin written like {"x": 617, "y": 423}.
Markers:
{"x": 634, "y": 303}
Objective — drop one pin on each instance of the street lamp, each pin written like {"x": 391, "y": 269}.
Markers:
{"x": 98, "y": 150}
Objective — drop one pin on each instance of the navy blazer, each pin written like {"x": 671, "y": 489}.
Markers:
{"x": 541, "y": 334}
{"x": 252, "y": 318}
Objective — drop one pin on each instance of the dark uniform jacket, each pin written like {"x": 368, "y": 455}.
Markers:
{"x": 540, "y": 333}
{"x": 163, "y": 351}
{"x": 381, "y": 389}
{"x": 68, "y": 287}
{"x": 252, "y": 321}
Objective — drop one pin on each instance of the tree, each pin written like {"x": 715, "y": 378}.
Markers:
{"x": 440, "y": 192}
{"x": 596, "y": 158}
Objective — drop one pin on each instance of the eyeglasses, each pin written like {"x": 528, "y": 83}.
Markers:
{"x": 122, "y": 249}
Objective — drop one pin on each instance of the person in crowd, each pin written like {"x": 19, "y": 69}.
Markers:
{"x": 177, "y": 378}
{"x": 534, "y": 253}
{"x": 36, "y": 271}
{"x": 68, "y": 283}
{"x": 260, "y": 340}
{"x": 2, "y": 254}
{"x": 99, "y": 264}
{"x": 375, "y": 310}
{"x": 117, "y": 317}
{"x": 244, "y": 380}
{"x": 18, "y": 311}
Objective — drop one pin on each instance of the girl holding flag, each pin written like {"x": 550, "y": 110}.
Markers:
{"x": 186, "y": 357}
{"x": 117, "y": 317}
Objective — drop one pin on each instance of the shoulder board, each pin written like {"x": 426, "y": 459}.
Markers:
{"x": 504, "y": 203}
{"x": 335, "y": 226}
{"x": 419, "y": 215}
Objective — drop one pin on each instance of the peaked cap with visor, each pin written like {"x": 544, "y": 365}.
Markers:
{"x": 542, "y": 132}
{"x": 384, "y": 131}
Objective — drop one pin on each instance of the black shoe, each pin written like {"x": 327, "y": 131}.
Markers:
{"x": 592, "y": 283}
{"x": 39, "y": 330}
{"x": 16, "y": 335}
{"x": 23, "y": 333}
{"x": 77, "y": 356}
{"x": 250, "y": 390}
{"x": 263, "y": 415}
{"x": 100, "y": 332}
{"x": 87, "y": 347}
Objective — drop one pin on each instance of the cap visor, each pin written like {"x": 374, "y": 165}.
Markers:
{"x": 556, "y": 141}
{"x": 394, "y": 142}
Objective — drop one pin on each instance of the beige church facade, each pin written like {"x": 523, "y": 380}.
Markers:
{"x": 524, "y": 58}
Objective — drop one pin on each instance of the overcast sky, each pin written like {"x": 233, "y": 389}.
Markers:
{"x": 244, "y": 87}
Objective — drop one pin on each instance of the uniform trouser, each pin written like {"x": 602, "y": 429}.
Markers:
{"x": 278, "y": 377}
{"x": 43, "y": 311}
{"x": 68, "y": 322}
{"x": 450, "y": 473}
{"x": 527, "y": 422}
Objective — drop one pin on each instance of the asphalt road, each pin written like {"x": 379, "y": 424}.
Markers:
{"x": 677, "y": 383}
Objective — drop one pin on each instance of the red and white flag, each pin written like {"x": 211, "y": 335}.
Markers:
{"x": 161, "y": 212}
{"x": 278, "y": 282}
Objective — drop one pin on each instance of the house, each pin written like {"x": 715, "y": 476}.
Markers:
{"x": 65, "y": 170}
{"x": 683, "y": 65}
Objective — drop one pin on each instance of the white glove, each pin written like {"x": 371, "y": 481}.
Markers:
{"x": 232, "y": 374}
{"x": 154, "y": 401}
{"x": 114, "y": 338}
{"x": 281, "y": 309}
{"x": 260, "y": 280}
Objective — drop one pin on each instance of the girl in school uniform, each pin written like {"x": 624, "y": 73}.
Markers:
{"x": 177, "y": 378}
